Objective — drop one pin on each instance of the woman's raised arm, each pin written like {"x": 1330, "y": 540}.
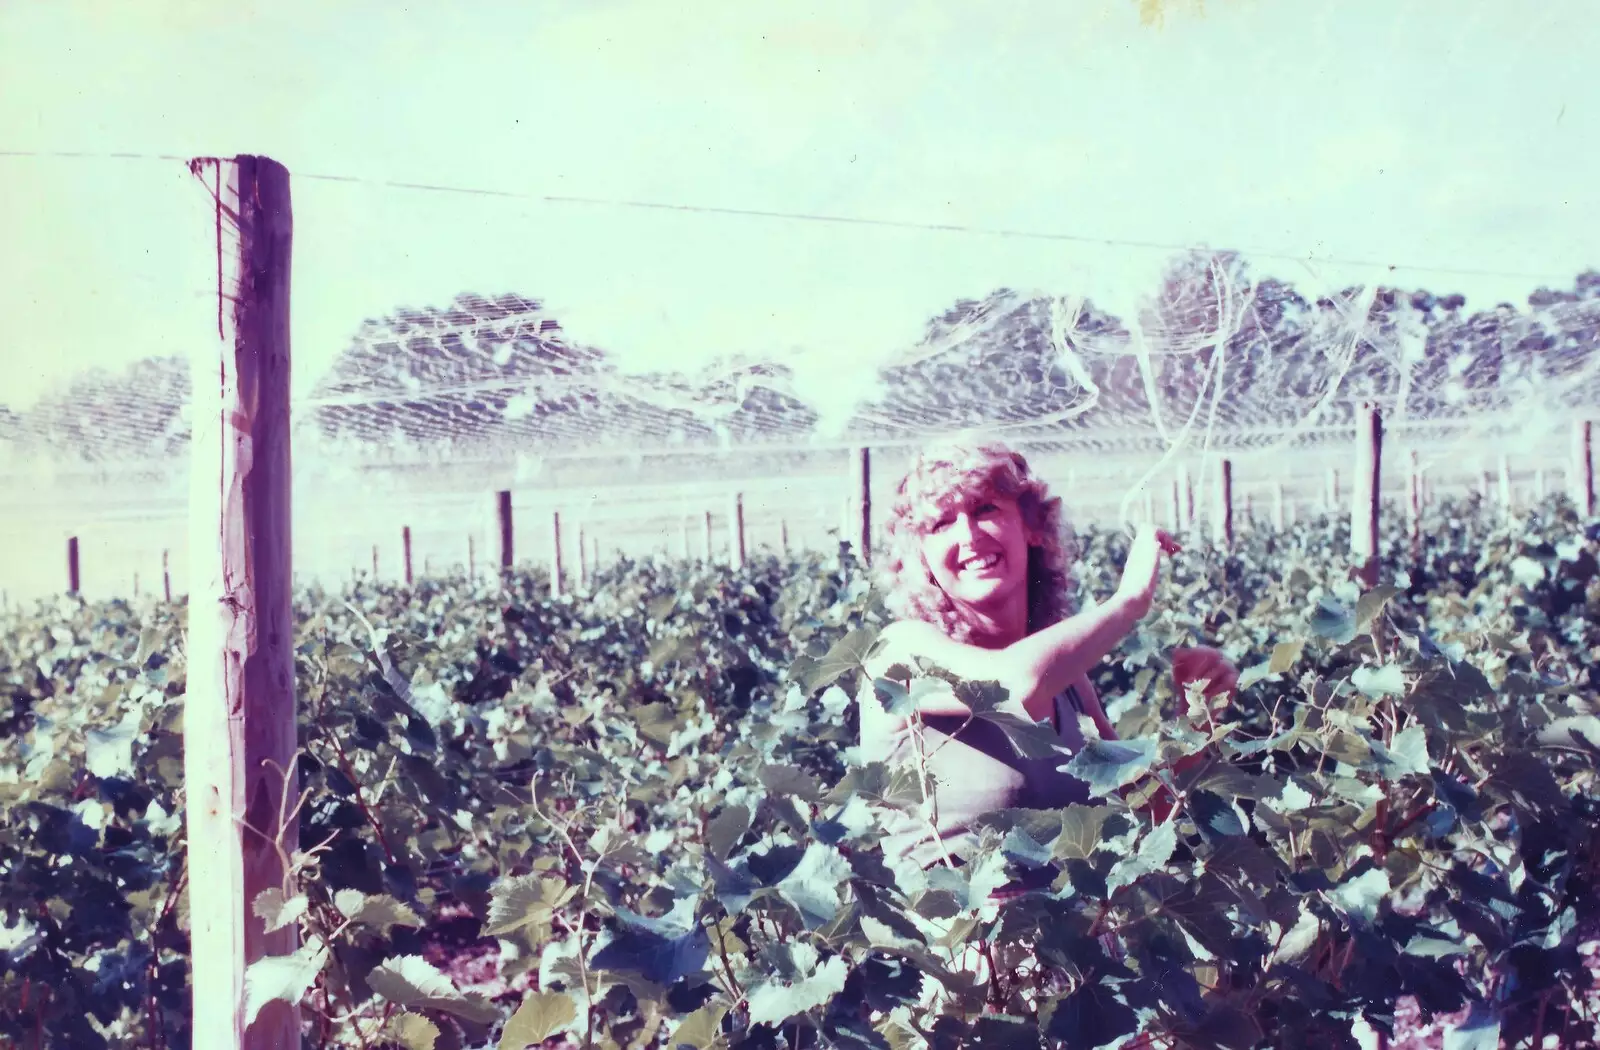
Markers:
{"x": 1035, "y": 668}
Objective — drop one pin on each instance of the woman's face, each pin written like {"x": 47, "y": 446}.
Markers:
{"x": 977, "y": 551}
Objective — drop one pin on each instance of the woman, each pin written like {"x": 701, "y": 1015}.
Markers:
{"x": 978, "y": 574}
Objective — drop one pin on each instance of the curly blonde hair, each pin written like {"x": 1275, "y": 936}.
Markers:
{"x": 950, "y": 474}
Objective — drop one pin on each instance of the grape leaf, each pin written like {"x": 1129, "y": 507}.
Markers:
{"x": 1106, "y": 765}
{"x": 286, "y": 977}
{"x": 410, "y": 980}
{"x": 541, "y": 1015}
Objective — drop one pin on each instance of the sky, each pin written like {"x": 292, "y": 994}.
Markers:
{"x": 1454, "y": 141}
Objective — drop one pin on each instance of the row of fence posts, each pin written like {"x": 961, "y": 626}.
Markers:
{"x": 856, "y": 527}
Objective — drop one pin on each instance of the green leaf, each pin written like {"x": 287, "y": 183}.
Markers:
{"x": 1361, "y": 895}
{"x": 1480, "y": 1031}
{"x": 1332, "y": 621}
{"x": 285, "y": 977}
{"x": 411, "y": 1031}
{"x": 410, "y": 980}
{"x": 784, "y": 781}
{"x": 847, "y": 656}
{"x": 1107, "y": 765}
{"x": 1029, "y": 739}
{"x": 1003, "y": 1032}
{"x": 1084, "y": 830}
{"x": 725, "y": 829}
{"x": 541, "y": 1015}
{"x": 1387, "y": 680}
{"x": 382, "y": 912}
{"x": 1155, "y": 849}
{"x": 1285, "y": 655}
{"x": 276, "y": 912}
{"x": 701, "y": 1028}
{"x": 813, "y": 886}
{"x": 776, "y": 1002}
{"x": 1091, "y": 1017}
{"x": 524, "y": 900}
{"x": 1370, "y": 604}
{"x": 895, "y": 698}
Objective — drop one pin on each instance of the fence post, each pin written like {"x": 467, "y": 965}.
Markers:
{"x": 1365, "y": 504}
{"x": 555, "y": 554}
{"x": 74, "y": 579}
{"x": 1583, "y": 467}
{"x": 736, "y": 530}
{"x": 503, "y": 515}
{"x": 239, "y": 716}
{"x": 405, "y": 543}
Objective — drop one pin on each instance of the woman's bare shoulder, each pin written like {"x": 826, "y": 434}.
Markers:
{"x": 902, "y": 641}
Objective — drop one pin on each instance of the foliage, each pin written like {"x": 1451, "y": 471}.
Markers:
{"x": 634, "y": 818}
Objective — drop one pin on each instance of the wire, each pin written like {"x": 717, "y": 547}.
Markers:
{"x": 838, "y": 220}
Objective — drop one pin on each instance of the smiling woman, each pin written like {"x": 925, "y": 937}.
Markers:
{"x": 979, "y": 574}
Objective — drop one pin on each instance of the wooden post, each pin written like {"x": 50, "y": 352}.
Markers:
{"x": 374, "y": 562}
{"x": 1225, "y": 504}
{"x": 1368, "y": 485}
{"x": 1277, "y": 506}
{"x": 555, "y": 554}
{"x": 166, "y": 577}
{"x": 503, "y": 503}
{"x": 239, "y": 714}
{"x": 472, "y": 559}
{"x": 1582, "y": 483}
{"x": 405, "y": 543}
{"x": 707, "y": 538}
{"x": 860, "y": 533}
{"x": 594, "y": 553}
{"x": 783, "y": 536}
{"x": 74, "y": 579}
{"x": 736, "y": 531}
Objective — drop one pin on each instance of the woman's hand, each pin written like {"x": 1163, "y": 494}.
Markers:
{"x": 1143, "y": 568}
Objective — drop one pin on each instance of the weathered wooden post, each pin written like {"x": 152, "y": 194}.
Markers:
{"x": 239, "y": 713}
{"x": 736, "y": 530}
{"x": 405, "y": 543}
{"x": 1364, "y": 507}
{"x": 166, "y": 577}
{"x": 860, "y": 532}
{"x": 1582, "y": 483}
{"x": 472, "y": 559}
{"x": 507, "y": 554}
{"x": 783, "y": 536}
{"x": 1225, "y": 504}
{"x": 556, "y": 582}
{"x": 374, "y": 562}
{"x": 74, "y": 579}
{"x": 708, "y": 538}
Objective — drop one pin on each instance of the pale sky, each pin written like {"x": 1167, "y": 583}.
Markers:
{"x": 1426, "y": 135}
